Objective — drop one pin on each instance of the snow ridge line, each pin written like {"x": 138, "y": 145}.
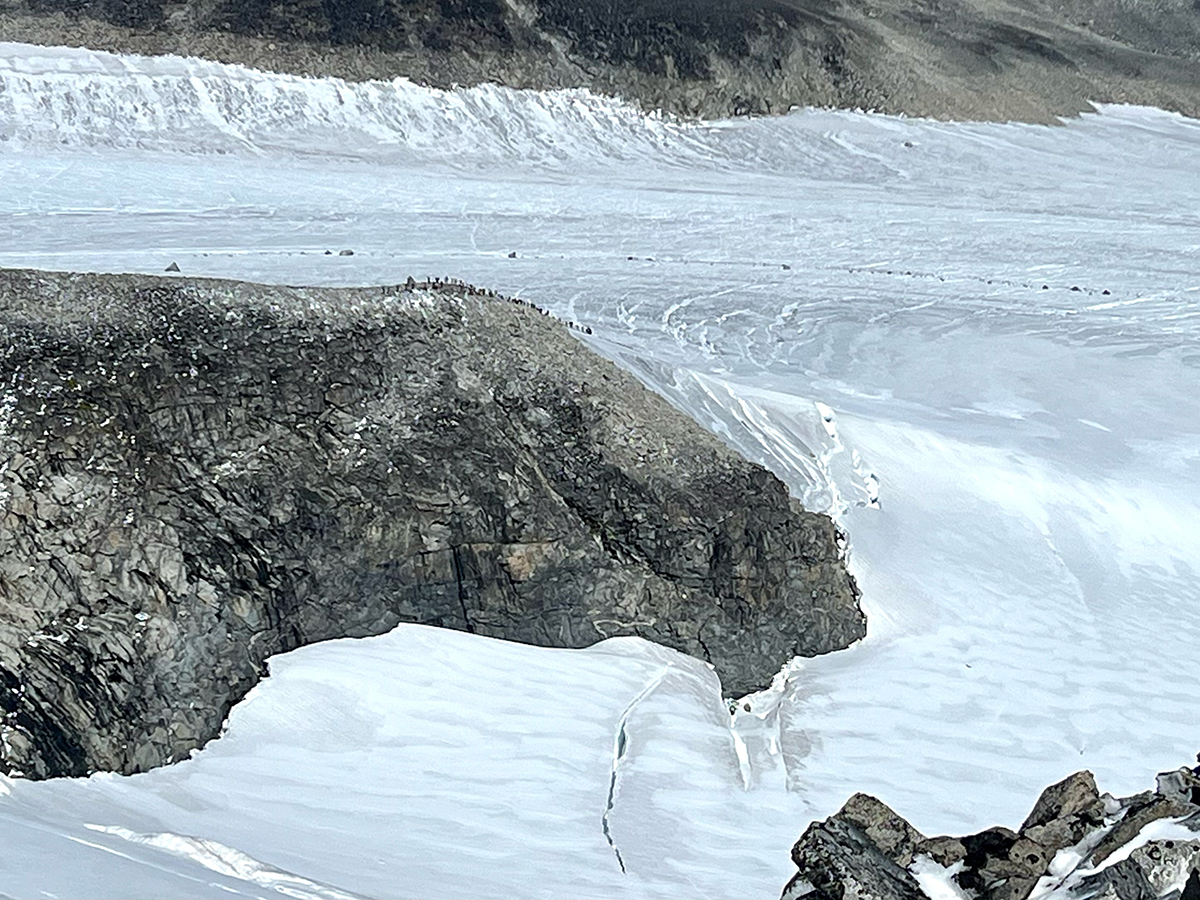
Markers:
{"x": 620, "y": 746}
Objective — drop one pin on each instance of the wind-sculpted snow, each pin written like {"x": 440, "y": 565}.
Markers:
{"x": 1002, "y": 321}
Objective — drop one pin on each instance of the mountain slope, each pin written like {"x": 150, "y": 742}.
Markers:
{"x": 984, "y": 59}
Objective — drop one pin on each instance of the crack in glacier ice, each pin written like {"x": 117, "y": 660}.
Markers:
{"x": 620, "y": 746}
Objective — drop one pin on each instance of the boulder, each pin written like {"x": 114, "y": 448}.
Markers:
{"x": 1135, "y": 816}
{"x": 1166, "y": 865}
{"x": 894, "y": 837}
{"x": 1124, "y": 880}
{"x": 838, "y": 861}
{"x": 1065, "y": 812}
{"x": 198, "y": 474}
{"x": 1181, "y": 784}
{"x": 1001, "y": 864}
{"x": 943, "y": 849}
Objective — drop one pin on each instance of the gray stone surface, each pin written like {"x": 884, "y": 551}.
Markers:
{"x": 195, "y": 475}
{"x": 1165, "y": 864}
{"x": 1181, "y": 784}
{"x": 1001, "y": 864}
{"x": 838, "y": 861}
{"x": 1124, "y": 880}
{"x": 1135, "y": 816}
{"x": 1065, "y": 812}
{"x": 943, "y": 849}
{"x": 977, "y": 59}
{"x": 891, "y": 833}
{"x": 1076, "y": 794}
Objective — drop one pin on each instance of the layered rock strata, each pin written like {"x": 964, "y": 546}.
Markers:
{"x": 1076, "y": 844}
{"x": 195, "y": 475}
{"x": 978, "y": 59}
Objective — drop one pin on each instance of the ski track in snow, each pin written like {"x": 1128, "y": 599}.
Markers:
{"x": 974, "y": 344}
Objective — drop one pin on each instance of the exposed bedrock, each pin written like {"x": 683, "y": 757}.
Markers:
{"x": 1076, "y": 844}
{"x": 981, "y": 59}
{"x": 195, "y": 475}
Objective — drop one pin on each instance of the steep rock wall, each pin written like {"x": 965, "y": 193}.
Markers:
{"x": 195, "y": 475}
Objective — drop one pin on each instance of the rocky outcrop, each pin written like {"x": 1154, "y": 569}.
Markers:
{"x": 862, "y": 851}
{"x": 837, "y": 860}
{"x": 980, "y": 59}
{"x": 1074, "y": 845}
{"x": 195, "y": 475}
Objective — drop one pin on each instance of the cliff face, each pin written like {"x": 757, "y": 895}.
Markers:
{"x": 197, "y": 474}
{"x": 983, "y": 59}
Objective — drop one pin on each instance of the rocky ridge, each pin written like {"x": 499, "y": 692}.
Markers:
{"x": 962, "y": 59}
{"x": 1076, "y": 844}
{"x": 197, "y": 474}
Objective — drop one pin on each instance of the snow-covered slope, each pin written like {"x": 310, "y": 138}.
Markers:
{"x": 972, "y": 342}
{"x": 424, "y": 763}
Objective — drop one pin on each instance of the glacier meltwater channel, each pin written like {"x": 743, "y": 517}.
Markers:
{"x": 974, "y": 344}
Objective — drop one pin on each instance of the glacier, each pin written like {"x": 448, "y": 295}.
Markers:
{"x": 974, "y": 344}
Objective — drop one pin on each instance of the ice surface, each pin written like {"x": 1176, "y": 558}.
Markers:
{"x": 974, "y": 343}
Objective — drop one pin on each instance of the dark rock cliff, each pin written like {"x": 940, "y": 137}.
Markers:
{"x": 197, "y": 474}
{"x": 988, "y": 59}
{"x": 1075, "y": 844}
